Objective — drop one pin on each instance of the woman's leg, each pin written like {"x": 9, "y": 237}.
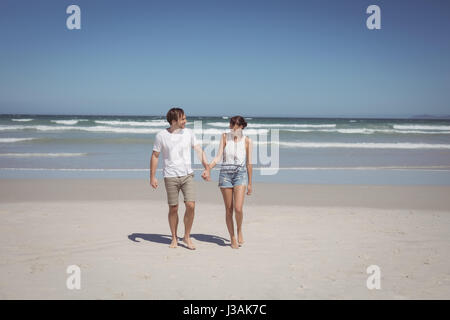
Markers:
{"x": 227, "y": 194}
{"x": 239, "y": 194}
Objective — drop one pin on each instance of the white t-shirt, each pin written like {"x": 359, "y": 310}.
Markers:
{"x": 176, "y": 151}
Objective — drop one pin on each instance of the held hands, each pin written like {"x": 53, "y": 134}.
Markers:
{"x": 154, "y": 183}
{"x": 249, "y": 189}
{"x": 206, "y": 174}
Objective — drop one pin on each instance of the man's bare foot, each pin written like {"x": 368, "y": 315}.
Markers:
{"x": 240, "y": 239}
{"x": 189, "y": 243}
{"x": 174, "y": 243}
{"x": 234, "y": 243}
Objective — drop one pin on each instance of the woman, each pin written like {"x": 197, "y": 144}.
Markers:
{"x": 235, "y": 175}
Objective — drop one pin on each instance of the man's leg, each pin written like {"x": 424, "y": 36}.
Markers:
{"x": 173, "y": 223}
{"x": 188, "y": 189}
{"x": 172, "y": 189}
{"x": 188, "y": 221}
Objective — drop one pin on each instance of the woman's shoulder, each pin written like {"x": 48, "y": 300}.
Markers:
{"x": 248, "y": 142}
{"x": 224, "y": 137}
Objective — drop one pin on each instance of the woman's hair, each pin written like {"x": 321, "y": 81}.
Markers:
{"x": 174, "y": 114}
{"x": 240, "y": 121}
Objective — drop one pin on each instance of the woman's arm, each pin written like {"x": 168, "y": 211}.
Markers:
{"x": 249, "y": 148}
{"x": 219, "y": 152}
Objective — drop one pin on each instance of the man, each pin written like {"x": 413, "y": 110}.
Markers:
{"x": 175, "y": 143}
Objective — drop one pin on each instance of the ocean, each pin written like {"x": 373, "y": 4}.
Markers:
{"x": 300, "y": 150}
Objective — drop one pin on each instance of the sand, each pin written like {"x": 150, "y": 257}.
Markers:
{"x": 302, "y": 242}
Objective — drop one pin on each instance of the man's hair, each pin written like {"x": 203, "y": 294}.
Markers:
{"x": 240, "y": 121}
{"x": 174, "y": 114}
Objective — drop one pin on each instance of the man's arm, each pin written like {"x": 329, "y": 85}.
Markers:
{"x": 153, "y": 167}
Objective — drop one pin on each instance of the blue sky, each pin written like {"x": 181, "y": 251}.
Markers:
{"x": 260, "y": 58}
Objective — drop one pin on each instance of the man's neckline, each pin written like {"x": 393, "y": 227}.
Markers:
{"x": 179, "y": 131}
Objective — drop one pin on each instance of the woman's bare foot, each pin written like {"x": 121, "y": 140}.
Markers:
{"x": 189, "y": 243}
{"x": 234, "y": 243}
{"x": 174, "y": 243}
{"x": 240, "y": 239}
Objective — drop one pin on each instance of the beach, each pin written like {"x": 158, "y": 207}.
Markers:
{"x": 301, "y": 242}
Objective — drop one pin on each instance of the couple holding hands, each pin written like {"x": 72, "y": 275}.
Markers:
{"x": 175, "y": 144}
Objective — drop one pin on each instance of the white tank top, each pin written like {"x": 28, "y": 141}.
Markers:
{"x": 234, "y": 152}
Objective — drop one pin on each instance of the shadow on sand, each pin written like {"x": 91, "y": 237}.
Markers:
{"x": 167, "y": 239}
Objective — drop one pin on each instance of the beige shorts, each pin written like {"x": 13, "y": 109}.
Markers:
{"x": 173, "y": 186}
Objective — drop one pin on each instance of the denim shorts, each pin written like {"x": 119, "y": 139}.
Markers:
{"x": 232, "y": 175}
